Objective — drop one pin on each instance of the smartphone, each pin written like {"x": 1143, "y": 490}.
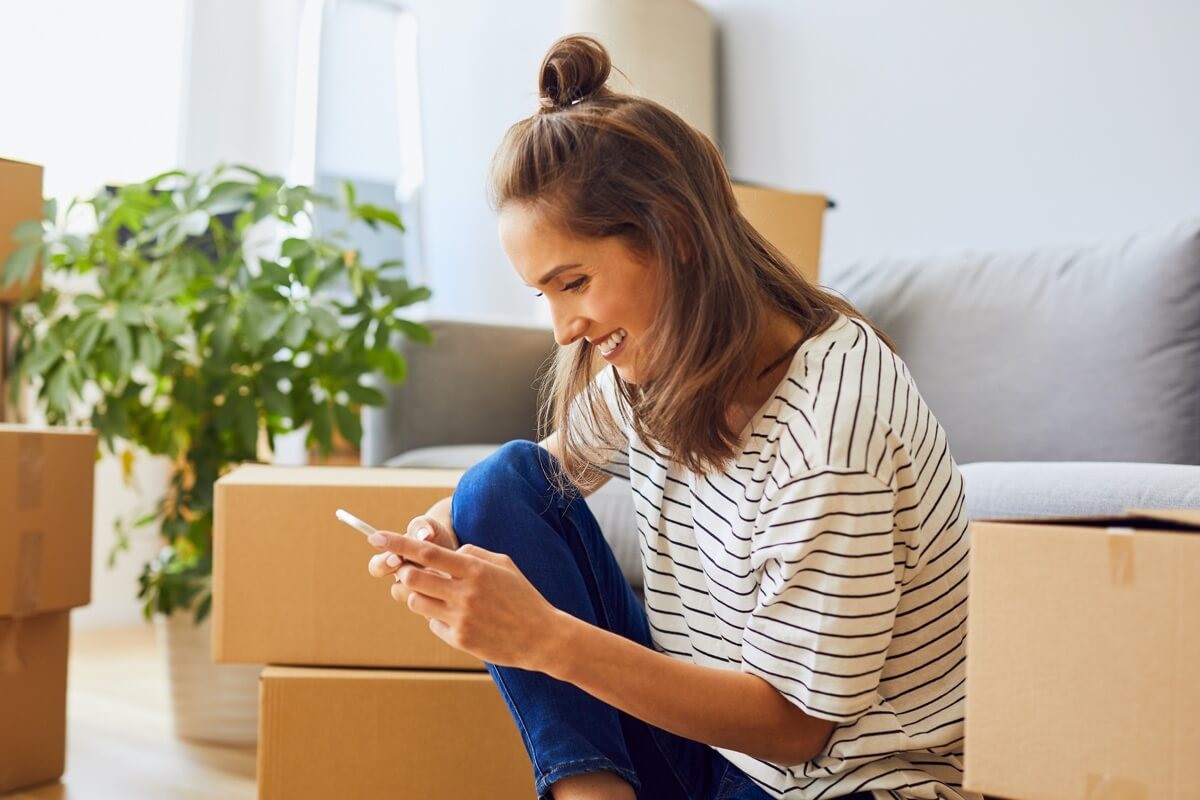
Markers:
{"x": 364, "y": 528}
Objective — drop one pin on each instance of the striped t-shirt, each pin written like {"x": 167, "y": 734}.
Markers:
{"x": 829, "y": 559}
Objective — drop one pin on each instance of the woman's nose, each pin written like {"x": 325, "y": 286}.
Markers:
{"x": 568, "y": 328}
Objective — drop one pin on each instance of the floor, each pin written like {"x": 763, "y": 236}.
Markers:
{"x": 119, "y": 739}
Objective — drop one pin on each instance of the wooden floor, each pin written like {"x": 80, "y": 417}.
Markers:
{"x": 119, "y": 739}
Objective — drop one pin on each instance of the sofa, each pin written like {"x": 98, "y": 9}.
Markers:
{"x": 1067, "y": 378}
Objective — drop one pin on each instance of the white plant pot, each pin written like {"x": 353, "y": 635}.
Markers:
{"x": 216, "y": 703}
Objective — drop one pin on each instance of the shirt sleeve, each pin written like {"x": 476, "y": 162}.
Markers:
{"x": 823, "y": 546}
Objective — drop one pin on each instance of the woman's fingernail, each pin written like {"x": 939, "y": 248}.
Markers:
{"x": 377, "y": 539}
{"x": 392, "y": 560}
{"x": 424, "y": 533}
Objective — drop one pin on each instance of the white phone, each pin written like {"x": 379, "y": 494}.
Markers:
{"x": 366, "y": 529}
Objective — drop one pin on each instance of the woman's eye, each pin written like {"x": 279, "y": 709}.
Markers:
{"x": 575, "y": 285}
{"x": 539, "y": 294}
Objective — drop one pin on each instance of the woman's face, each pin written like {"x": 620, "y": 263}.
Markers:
{"x": 598, "y": 289}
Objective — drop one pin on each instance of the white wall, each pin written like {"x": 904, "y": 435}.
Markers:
{"x": 934, "y": 124}
{"x": 937, "y": 125}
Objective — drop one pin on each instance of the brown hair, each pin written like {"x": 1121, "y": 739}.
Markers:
{"x": 601, "y": 164}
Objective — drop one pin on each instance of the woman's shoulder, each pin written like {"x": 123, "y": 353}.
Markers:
{"x": 839, "y": 383}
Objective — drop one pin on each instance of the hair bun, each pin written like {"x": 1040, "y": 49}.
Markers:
{"x": 574, "y": 69}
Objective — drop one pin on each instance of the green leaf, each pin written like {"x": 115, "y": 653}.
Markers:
{"x": 349, "y": 425}
{"x": 44, "y": 354}
{"x": 322, "y": 426}
{"x": 325, "y": 322}
{"x": 260, "y": 322}
{"x": 87, "y": 333}
{"x": 171, "y": 320}
{"x": 150, "y": 350}
{"x": 274, "y": 401}
{"x": 222, "y": 336}
{"x": 203, "y": 608}
{"x": 348, "y": 193}
{"x": 295, "y": 248}
{"x": 393, "y": 366}
{"x": 57, "y": 389}
{"x": 118, "y": 334}
{"x": 245, "y": 416}
{"x": 19, "y": 265}
{"x": 414, "y": 331}
{"x": 28, "y": 231}
{"x": 228, "y": 196}
{"x": 414, "y": 295}
{"x": 296, "y": 330}
{"x": 374, "y": 214}
{"x": 366, "y": 395}
{"x": 130, "y": 314}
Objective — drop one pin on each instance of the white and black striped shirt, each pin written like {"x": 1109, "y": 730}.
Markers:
{"x": 830, "y": 559}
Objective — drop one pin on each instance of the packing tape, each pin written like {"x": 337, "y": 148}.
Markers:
{"x": 1102, "y": 786}
{"x": 10, "y": 639}
{"x": 30, "y": 467}
{"x": 29, "y": 570}
{"x": 1120, "y": 556}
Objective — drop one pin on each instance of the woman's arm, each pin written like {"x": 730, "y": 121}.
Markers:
{"x": 720, "y": 707}
{"x": 479, "y": 602}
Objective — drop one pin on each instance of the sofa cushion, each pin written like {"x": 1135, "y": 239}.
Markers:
{"x": 1050, "y": 489}
{"x": 474, "y": 383}
{"x": 1055, "y": 354}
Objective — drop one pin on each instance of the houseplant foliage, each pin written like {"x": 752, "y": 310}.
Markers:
{"x": 177, "y": 337}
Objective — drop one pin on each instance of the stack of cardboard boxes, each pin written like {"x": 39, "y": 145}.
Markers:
{"x": 359, "y": 699}
{"x": 1083, "y": 657}
{"x": 46, "y": 481}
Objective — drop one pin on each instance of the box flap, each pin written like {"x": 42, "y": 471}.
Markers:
{"x": 1170, "y": 519}
{"x": 1184, "y": 517}
{"x": 273, "y": 475}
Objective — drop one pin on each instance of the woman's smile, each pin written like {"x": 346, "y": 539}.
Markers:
{"x": 612, "y": 345}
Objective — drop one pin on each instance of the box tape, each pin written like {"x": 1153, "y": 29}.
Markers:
{"x": 29, "y": 570}
{"x": 1120, "y": 556}
{"x": 1102, "y": 786}
{"x": 30, "y": 468}
{"x": 10, "y": 640}
{"x": 31, "y": 462}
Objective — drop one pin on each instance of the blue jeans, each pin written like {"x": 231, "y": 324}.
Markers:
{"x": 507, "y": 505}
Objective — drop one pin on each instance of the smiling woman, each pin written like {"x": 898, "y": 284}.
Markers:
{"x": 800, "y": 517}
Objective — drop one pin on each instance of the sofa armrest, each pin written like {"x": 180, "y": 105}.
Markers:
{"x": 475, "y": 383}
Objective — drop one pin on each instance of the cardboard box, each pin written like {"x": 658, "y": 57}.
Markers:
{"x": 379, "y": 733}
{"x": 791, "y": 221}
{"x": 20, "y": 201}
{"x": 290, "y": 581}
{"x": 33, "y": 696}
{"x": 46, "y": 479}
{"x": 1083, "y": 646}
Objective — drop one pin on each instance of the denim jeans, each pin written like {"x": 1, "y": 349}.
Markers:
{"x": 506, "y": 504}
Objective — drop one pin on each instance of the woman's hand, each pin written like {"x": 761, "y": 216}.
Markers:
{"x": 432, "y": 526}
{"x": 475, "y": 600}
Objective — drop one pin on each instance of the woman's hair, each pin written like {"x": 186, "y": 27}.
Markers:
{"x": 598, "y": 163}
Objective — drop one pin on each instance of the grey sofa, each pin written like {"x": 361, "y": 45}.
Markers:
{"x": 1067, "y": 379}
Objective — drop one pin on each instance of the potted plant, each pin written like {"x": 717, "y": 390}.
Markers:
{"x": 203, "y": 316}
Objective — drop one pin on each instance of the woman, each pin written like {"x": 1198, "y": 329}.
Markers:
{"x": 800, "y": 518}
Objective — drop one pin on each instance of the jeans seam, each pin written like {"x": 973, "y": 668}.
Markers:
{"x": 516, "y": 711}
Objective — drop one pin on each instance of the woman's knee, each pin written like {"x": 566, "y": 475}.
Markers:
{"x": 498, "y": 489}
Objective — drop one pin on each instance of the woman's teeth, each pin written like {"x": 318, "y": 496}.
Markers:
{"x": 608, "y": 345}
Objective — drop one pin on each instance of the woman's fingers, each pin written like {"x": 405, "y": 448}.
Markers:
{"x": 382, "y": 564}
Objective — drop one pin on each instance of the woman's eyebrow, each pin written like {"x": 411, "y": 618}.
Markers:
{"x": 549, "y": 276}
